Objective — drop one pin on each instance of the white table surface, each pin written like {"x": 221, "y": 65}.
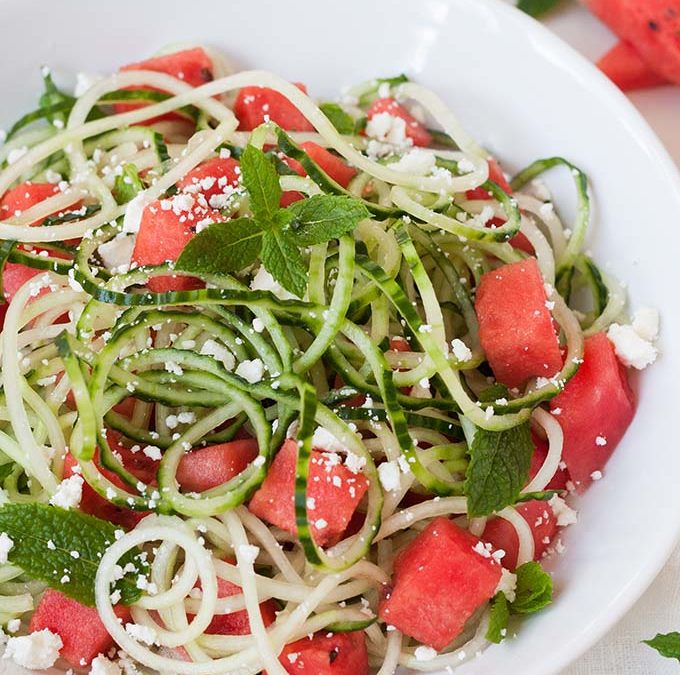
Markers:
{"x": 620, "y": 652}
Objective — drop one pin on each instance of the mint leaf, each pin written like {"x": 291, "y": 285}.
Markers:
{"x": 542, "y": 496}
{"x": 498, "y": 618}
{"x": 222, "y": 248}
{"x": 534, "y": 589}
{"x": 667, "y": 644}
{"x": 536, "y": 7}
{"x": 127, "y": 185}
{"x": 282, "y": 259}
{"x": 262, "y": 183}
{"x": 53, "y": 97}
{"x": 498, "y": 469}
{"x": 33, "y": 526}
{"x": 341, "y": 120}
{"x": 324, "y": 217}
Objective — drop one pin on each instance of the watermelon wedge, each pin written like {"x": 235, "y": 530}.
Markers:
{"x": 439, "y": 581}
{"x": 255, "y": 105}
{"x": 624, "y": 67}
{"x": 414, "y": 129}
{"x": 331, "y": 164}
{"x": 327, "y": 654}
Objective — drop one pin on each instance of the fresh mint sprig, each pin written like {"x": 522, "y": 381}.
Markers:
{"x": 667, "y": 644}
{"x": 63, "y": 549}
{"x": 537, "y": 8}
{"x": 273, "y": 234}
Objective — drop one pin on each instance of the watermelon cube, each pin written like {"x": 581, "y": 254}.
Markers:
{"x": 624, "y": 67}
{"x": 502, "y": 535}
{"x": 327, "y": 654}
{"x": 214, "y": 180}
{"x": 515, "y": 325}
{"x": 165, "y": 228}
{"x": 414, "y": 129}
{"x": 206, "y": 468}
{"x": 80, "y": 628}
{"x": 331, "y": 164}
{"x": 256, "y": 105}
{"x": 594, "y": 411}
{"x": 440, "y": 579}
{"x": 560, "y": 479}
{"x": 497, "y": 176}
{"x": 333, "y": 494}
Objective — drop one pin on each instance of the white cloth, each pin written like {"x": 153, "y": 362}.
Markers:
{"x": 621, "y": 651}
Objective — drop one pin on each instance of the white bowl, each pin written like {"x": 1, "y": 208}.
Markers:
{"x": 525, "y": 94}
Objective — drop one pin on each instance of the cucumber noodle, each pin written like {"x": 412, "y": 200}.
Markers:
{"x": 425, "y": 243}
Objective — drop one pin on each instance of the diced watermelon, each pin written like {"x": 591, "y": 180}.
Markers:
{"x": 80, "y": 628}
{"x": 214, "y": 178}
{"x": 254, "y": 104}
{"x": 624, "y": 67}
{"x": 327, "y": 654}
{"x": 503, "y": 536}
{"x": 336, "y": 168}
{"x": 206, "y": 468}
{"x": 290, "y": 197}
{"x": 333, "y": 489}
{"x": 15, "y": 201}
{"x": 560, "y": 479}
{"x": 192, "y": 66}
{"x": 414, "y": 129}
{"x": 652, "y": 27}
{"x": 515, "y": 326}
{"x": 439, "y": 581}
{"x": 165, "y": 229}
{"x": 594, "y": 410}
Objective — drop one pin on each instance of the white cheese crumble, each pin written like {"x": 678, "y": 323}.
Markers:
{"x": 35, "y": 651}
{"x": 263, "y": 281}
{"x": 13, "y": 625}
{"x": 153, "y": 452}
{"x": 416, "y": 161}
{"x": 596, "y": 475}
{"x": 507, "y": 584}
{"x": 133, "y": 213}
{"x": 251, "y": 371}
{"x": 220, "y": 352}
{"x": 258, "y": 325}
{"x": 141, "y": 633}
{"x": 6, "y": 545}
{"x": 460, "y": 350}
{"x": 387, "y": 134}
{"x": 324, "y": 440}
{"x": 102, "y": 666}
{"x": 390, "y": 475}
{"x": 424, "y": 653}
{"x": 632, "y": 349}
{"x": 646, "y": 323}
{"x": 69, "y": 493}
{"x": 116, "y": 254}
{"x": 564, "y": 514}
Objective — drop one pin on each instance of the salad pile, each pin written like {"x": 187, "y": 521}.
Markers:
{"x": 288, "y": 385}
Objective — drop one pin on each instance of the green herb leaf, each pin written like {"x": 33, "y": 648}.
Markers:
{"x": 282, "y": 259}
{"x": 493, "y": 393}
{"x": 262, "y": 182}
{"x": 498, "y": 618}
{"x": 324, "y": 217}
{"x": 339, "y": 118}
{"x": 667, "y": 644}
{"x": 498, "y": 469}
{"x": 222, "y": 248}
{"x": 127, "y": 185}
{"x": 536, "y": 7}
{"x": 53, "y": 97}
{"x": 534, "y": 589}
{"x": 45, "y": 537}
{"x": 6, "y": 470}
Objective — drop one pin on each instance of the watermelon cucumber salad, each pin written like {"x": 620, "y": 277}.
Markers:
{"x": 288, "y": 385}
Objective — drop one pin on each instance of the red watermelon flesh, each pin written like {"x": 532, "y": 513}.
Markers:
{"x": 192, "y": 66}
{"x": 208, "y": 467}
{"x": 624, "y": 67}
{"x": 331, "y": 164}
{"x": 515, "y": 325}
{"x": 334, "y": 491}
{"x": 652, "y": 27}
{"x": 255, "y": 105}
{"x": 414, "y": 129}
{"x": 439, "y": 581}
{"x": 560, "y": 479}
{"x": 214, "y": 179}
{"x": 503, "y": 536}
{"x": 594, "y": 411}
{"x": 80, "y": 628}
{"x": 327, "y": 654}
{"x": 166, "y": 227}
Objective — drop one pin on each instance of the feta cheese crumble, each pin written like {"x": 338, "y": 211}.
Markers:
{"x": 263, "y": 281}
{"x": 632, "y": 349}
{"x": 35, "y": 651}
{"x": 424, "y": 653}
{"x": 102, "y": 666}
{"x": 564, "y": 514}
{"x": 69, "y": 493}
{"x": 251, "y": 371}
{"x": 6, "y": 545}
{"x": 390, "y": 475}
{"x": 460, "y": 350}
{"x": 507, "y": 584}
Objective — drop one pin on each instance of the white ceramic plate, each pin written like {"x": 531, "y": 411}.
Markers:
{"x": 525, "y": 94}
